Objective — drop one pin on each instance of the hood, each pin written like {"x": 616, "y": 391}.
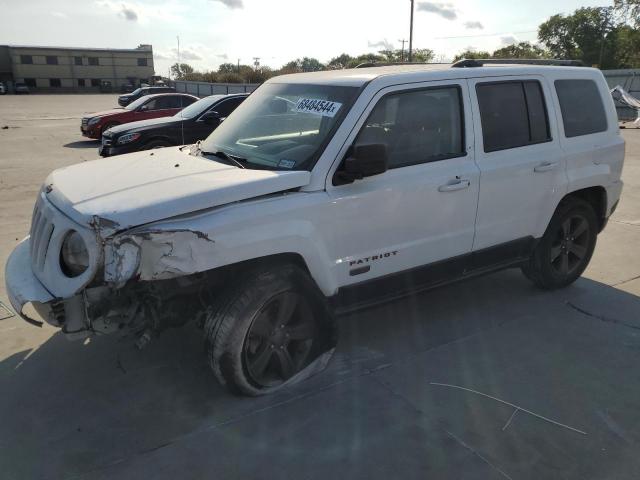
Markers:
{"x": 105, "y": 113}
{"x": 143, "y": 187}
{"x": 141, "y": 124}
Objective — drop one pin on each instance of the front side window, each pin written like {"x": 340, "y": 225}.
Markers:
{"x": 513, "y": 114}
{"x": 198, "y": 107}
{"x": 283, "y": 126}
{"x": 418, "y": 126}
{"x": 581, "y": 106}
{"x": 227, "y": 106}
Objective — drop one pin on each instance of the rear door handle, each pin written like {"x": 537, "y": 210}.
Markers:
{"x": 454, "y": 185}
{"x": 545, "y": 167}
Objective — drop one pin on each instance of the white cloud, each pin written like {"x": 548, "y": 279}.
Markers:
{"x": 59, "y": 15}
{"x": 508, "y": 40}
{"x": 473, "y": 25}
{"x": 231, "y": 3}
{"x": 382, "y": 45}
{"x": 128, "y": 13}
{"x": 445, "y": 10}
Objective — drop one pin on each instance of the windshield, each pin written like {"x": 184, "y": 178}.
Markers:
{"x": 135, "y": 104}
{"x": 198, "y": 107}
{"x": 135, "y": 92}
{"x": 283, "y": 126}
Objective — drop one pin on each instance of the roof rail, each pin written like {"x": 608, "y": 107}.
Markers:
{"x": 479, "y": 62}
{"x": 391, "y": 64}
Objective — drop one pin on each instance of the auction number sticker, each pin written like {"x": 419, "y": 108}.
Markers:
{"x": 326, "y": 108}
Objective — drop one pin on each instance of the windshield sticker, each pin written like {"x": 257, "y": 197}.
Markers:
{"x": 326, "y": 108}
{"x": 286, "y": 163}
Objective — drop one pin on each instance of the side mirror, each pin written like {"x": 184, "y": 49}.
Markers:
{"x": 365, "y": 161}
{"x": 211, "y": 118}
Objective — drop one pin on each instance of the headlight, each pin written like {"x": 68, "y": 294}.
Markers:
{"x": 74, "y": 256}
{"x": 128, "y": 138}
{"x": 93, "y": 121}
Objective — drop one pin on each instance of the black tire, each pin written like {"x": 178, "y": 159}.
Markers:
{"x": 566, "y": 247}
{"x": 268, "y": 327}
{"x": 157, "y": 143}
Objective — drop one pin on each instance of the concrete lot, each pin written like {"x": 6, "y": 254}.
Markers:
{"x": 104, "y": 410}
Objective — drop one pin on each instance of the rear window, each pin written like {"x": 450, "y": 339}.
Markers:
{"x": 513, "y": 114}
{"x": 581, "y": 105}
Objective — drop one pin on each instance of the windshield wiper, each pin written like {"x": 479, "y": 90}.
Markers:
{"x": 230, "y": 159}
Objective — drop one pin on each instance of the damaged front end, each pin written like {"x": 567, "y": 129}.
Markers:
{"x": 140, "y": 282}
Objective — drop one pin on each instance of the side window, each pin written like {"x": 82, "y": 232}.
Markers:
{"x": 151, "y": 105}
{"x": 225, "y": 107}
{"x": 418, "y": 126}
{"x": 581, "y": 106}
{"x": 513, "y": 114}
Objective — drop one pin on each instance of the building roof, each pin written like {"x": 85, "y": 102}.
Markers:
{"x": 142, "y": 48}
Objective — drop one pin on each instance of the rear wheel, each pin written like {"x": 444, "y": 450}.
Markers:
{"x": 566, "y": 248}
{"x": 269, "y": 328}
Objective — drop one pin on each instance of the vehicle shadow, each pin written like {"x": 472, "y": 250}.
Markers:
{"x": 83, "y": 144}
{"x": 73, "y": 407}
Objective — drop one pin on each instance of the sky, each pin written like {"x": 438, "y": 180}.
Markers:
{"x": 212, "y": 32}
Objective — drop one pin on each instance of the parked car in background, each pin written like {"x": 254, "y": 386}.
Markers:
{"x": 127, "y": 88}
{"x": 187, "y": 126}
{"x": 125, "y": 100}
{"x": 150, "y": 106}
{"x": 20, "y": 87}
{"x": 3, "y": 89}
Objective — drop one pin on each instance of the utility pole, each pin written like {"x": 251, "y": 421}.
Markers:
{"x": 238, "y": 66}
{"x": 604, "y": 32}
{"x": 402, "y": 51}
{"x": 256, "y": 63}
{"x": 411, "y": 34}
{"x": 178, "y": 74}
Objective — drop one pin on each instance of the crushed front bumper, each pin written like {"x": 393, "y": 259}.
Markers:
{"x": 22, "y": 285}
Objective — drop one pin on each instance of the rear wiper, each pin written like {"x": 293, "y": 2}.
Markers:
{"x": 232, "y": 159}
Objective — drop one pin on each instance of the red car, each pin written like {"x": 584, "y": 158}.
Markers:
{"x": 150, "y": 106}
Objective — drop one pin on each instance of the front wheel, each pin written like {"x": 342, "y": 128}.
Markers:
{"x": 566, "y": 247}
{"x": 268, "y": 329}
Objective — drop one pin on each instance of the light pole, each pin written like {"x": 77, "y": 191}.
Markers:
{"x": 411, "y": 35}
{"x": 402, "y": 51}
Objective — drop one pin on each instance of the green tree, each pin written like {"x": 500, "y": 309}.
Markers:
{"x": 625, "y": 46}
{"x": 339, "y": 62}
{"x": 520, "y": 50}
{"x": 421, "y": 55}
{"x": 471, "y": 54}
{"x": 582, "y": 35}
{"x": 228, "y": 68}
{"x": 630, "y": 11}
{"x": 180, "y": 71}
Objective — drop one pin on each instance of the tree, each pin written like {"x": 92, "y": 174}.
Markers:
{"x": 630, "y": 11}
{"x": 520, "y": 50}
{"x": 422, "y": 55}
{"x": 228, "y": 68}
{"x": 339, "y": 62}
{"x": 311, "y": 65}
{"x": 625, "y": 46}
{"x": 583, "y": 35}
{"x": 470, "y": 54}
{"x": 180, "y": 71}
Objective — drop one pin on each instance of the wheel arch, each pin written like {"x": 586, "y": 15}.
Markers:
{"x": 596, "y": 196}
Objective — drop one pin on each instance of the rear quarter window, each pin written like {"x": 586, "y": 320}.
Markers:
{"x": 581, "y": 106}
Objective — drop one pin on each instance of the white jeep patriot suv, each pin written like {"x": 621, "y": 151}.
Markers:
{"x": 324, "y": 192}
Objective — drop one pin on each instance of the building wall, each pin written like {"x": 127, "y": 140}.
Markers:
{"x": 116, "y": 66}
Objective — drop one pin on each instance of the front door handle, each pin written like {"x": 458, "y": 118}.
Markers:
{"x": 454, "y": 185}
{"x": 545, "y": 167}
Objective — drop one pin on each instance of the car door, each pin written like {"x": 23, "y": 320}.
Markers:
{"x": 522, "y": 169}
{"x": 421, "y": 211}
{"x": 201, "y": 130}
